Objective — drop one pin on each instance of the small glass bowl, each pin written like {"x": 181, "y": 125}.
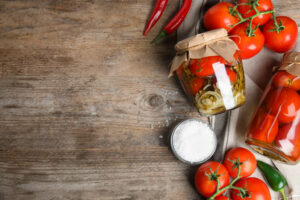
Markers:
{"x": 174, "y": 149}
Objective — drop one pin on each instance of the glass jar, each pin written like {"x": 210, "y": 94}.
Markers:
{"x": 210, "y": 70}
{"x": 213, "y": 84}
{"x": 275, "y": 129}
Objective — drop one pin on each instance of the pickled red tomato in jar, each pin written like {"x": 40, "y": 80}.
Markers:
{"x": 275, "y": 127}
{"x": 214, "y": 84}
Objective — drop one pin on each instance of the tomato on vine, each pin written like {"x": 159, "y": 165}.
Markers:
{"x": 254, "y": 189}
{"x": 207, "y": 175}
{"x": 249, "y": 8}
{"x": 240, "y": 157}
{"x": 281, "y": 35}
{"x": 250, "y": 41}
{"x": 222, "y": 198}
{"x": 220, "y": 16}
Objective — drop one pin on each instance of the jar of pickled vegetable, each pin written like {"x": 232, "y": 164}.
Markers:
{"x": 210, "y": 71}
{"x": 275, "y": 127}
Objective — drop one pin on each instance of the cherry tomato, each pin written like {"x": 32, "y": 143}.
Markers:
{"x": 288, "y": 140}
{"x": 256, "y": 190}
{"x": 204, "y": 184}
{"x": 242, "y": 155}
{"x": 264, "y": 127}
{"x": 218, "y": 16}
{"x": 285, "y": 39}
{"x": 283, "y": 103}
{"x": 249, "y": 46}
{"x": 222, "y": 198}
{"x": 248, "y": 11}
{"x": 204, "y": 66}
{"x": 285, "y": 79}
{"x": 197, "y": 84}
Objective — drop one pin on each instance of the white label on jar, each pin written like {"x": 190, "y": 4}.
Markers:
{"x": 223, "y": 83}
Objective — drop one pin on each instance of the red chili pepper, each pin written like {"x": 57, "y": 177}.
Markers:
{"x": 175, "y": 21}
{"x": 157, "y": 12}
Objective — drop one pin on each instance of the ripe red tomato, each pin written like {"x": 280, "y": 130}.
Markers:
{"x": 179, "y": 72}
{"x": 218, "y": 16}
{"x": 182, "y": 78}
{"x": 245, "y": 157}
{"x": 222, "y": 198}
{"x": 285, "y": 79}
{"x": 283, "y": 103}
{"x": 197, "y": 84}
{"x": 264, "y": 127}
{"x": 204, "y": 66}
{"x": 249, "y": 46}
{"x": 285, "y": 39}
{"x": 204, "y": 184}
{"x": 288, "y": 140}
{"x": 231, "y": 74}
{"x": 256, "y": 190}
{"x": 247, "y": 11}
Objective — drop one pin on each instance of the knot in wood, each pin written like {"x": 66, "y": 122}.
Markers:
{"x": 155, "y": 100}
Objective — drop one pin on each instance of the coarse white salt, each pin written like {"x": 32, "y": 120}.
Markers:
{"x": 194, "y": 141}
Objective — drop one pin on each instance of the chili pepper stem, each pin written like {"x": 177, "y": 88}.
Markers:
{"x": 282, "y": 193}
{"x": 159, "y": 36}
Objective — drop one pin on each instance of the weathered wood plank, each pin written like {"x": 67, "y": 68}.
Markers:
{"x": 85, "y": 103}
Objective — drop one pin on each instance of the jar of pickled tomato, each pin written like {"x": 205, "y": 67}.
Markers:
{"x": 210, "y": 70}
{"x": 275, "y": 127}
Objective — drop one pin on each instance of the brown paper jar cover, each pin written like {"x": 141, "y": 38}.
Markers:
{"x": 211, "y": 43}
{"x": 291, "y": 63}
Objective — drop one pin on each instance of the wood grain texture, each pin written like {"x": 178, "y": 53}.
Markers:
{"x": 85, "y": 103}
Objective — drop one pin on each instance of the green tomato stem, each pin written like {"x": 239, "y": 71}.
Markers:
{"x": 242, "y": 20}
{"x": 218, "y": 185}
{"x": 250, "y": 32}
{"x": 230, "y": 186}
{"x": 277, "y": 27}
{"x": 255, "y": 9}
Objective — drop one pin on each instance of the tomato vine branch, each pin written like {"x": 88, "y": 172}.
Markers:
{"x": 277, "y": 27}
{"x": 254, "y": 4}
{"x": 230, "y": 186}
{"x": 242, "y": 20}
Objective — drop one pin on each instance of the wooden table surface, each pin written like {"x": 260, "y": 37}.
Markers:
{"x": 85, "y": 103}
